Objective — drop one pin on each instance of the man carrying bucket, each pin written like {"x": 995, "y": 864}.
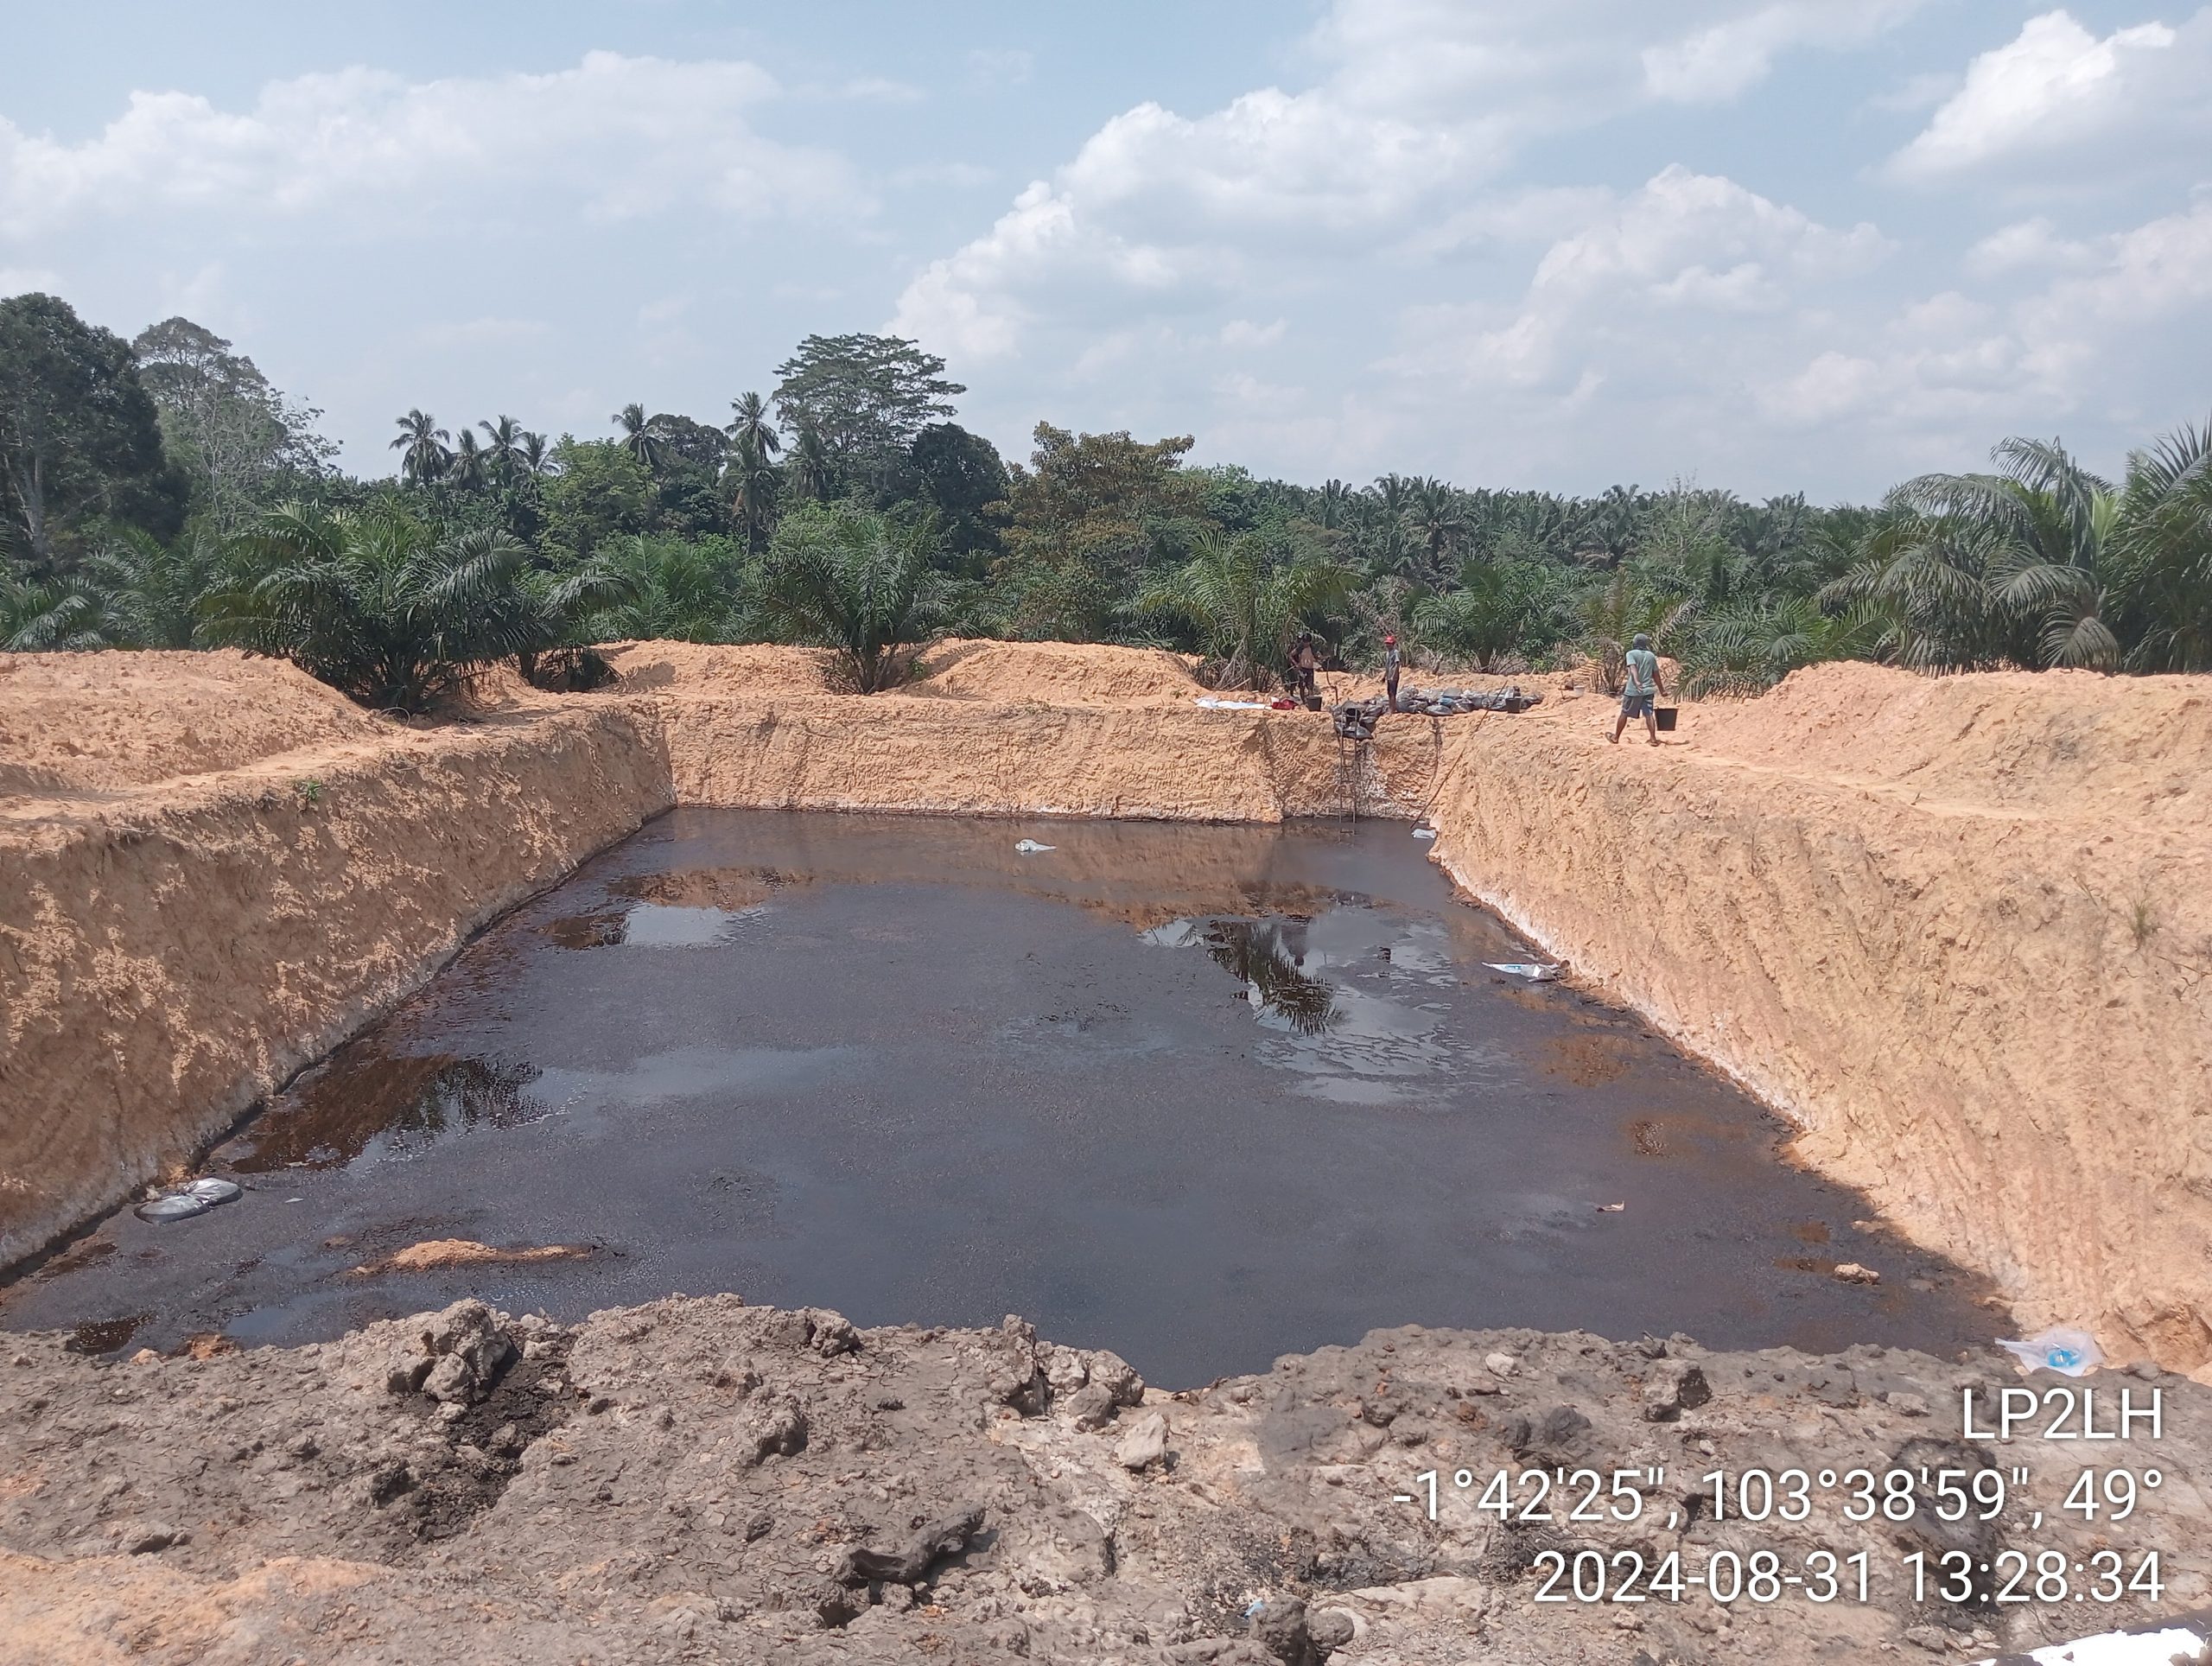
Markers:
{"x": 1643, "y": 686}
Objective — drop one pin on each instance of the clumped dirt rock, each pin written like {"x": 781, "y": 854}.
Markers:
{"x": 700, "y": 1480}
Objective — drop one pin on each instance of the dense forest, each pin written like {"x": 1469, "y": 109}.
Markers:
{"x": 160, "y": 492}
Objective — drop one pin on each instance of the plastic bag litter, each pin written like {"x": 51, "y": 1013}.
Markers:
{"x": 1535, "y": 971}
{"x": 1424, "y": 832}
{"x": 2061, "y": 1349}
{"x": 1030, "y": 846}
{"x": 197, "y": 1198}
{"x": 177, "y": 1206}
{"x": 1214, "y": 702}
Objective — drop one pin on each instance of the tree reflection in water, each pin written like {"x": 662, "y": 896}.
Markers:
{"x": 402, "y": 1104}
{"x": 1266, "y": 955}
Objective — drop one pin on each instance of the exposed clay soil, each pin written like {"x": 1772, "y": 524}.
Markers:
{"x": 700, "y": 1480}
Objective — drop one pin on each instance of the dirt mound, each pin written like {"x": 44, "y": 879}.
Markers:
{"x": 703, "y": 1480}
{"x": 99, "y": 722}
{"x": 1061, "y": 673}
{"x": 2069, "y": 742}
{"x": 698, "y": 667}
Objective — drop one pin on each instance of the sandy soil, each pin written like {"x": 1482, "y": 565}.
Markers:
{"x": 700, "y": 1480}
{"x": 1959, "y": 930}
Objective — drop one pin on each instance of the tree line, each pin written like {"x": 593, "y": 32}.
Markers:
{"x": 160, "y": 492}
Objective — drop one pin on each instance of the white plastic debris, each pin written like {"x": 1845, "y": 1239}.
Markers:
{"x": 1214, "y": 702}
{"x": 1424, "y": 832}
{"x": 1030, "y": 846}
{"x": 1535, "y": 971}
{"x": 2061, "y": 1349}
{"x": 197, "y": 1198}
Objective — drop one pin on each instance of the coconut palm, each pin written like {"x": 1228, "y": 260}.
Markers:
{"x": 467, "y": 468}
{"x": 532, "y": 456}
{"x": 812, "y": 474}
{"x": 640, "y": 436}
{"x": 374, "y": 602}
{"x": 754, "y": 481}
{"x": 503, "y": 441}
{"x": 855, "y": 582}
{"x": 422, "y": 445}
{"x": 753, "y": 427}
{"x": 1243, "y": 605}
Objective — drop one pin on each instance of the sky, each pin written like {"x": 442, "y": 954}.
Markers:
{"x": 1815, "y": 245}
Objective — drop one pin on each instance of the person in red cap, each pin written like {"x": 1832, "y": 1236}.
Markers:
{"x": 1390, "y": 670}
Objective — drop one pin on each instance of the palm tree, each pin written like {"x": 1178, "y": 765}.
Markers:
{"x": 150, "y": 591}
{"x": 534, "y": 460}
{"x": 665, "y": 590}
{"x": 502, "y": 445}
{"x": 812, "y": 471}
{"x": 641, "y": 437}
{"x": 1336, "y": 505}
{"x": 467, "y": 469}
{"x": 1745, "y": 652}
{"x": 1438, "y": 520}
{"x": 751, "y": 426}
{"x": 374, "y": 602}
{"x": 50, "y": 615}
{"x": 1243, "y": 606}
{"x": 2045, "y": 522}
{"x": 1616, "y": 611}
{"x": 854, "y": 582}
{"x": 2162, "y": 553}
{"x": 754, "y": 481}
{"x": 1497, "y": 614}
{"x": 422, "y": 444}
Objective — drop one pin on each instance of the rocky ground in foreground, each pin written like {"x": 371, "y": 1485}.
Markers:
{"x": 702, "y": 1480}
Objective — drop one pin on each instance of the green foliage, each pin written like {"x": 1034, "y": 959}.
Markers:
{"x": 237, "y": 440}
{"x": 1245, "y": 603}
{"x": 600, "y": 492}
{"x": 1503, "y": 614}
{"x": 376, "y": 604}
{"x": 1087, "y": 519}
{"x": 856, "y": 583}
{"x": 664, "y": 588}
{"x": 867, "y": 398}
{"x": 960, "y": 475}
{"x": 80, "y": 442}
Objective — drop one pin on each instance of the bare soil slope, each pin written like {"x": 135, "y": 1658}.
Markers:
{"x": 1960, "y": 931}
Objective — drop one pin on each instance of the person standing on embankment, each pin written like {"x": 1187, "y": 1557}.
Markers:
{"x": 1390, "y": 670}
{"x": 1644, "y": 684}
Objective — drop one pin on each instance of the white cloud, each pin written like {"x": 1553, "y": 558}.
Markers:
{"x": 619, "y": 137}
{"x": 2054, "y": 85}
{"x": 1244, "y": 332}
{"x": 1728, "y": 58}
{"x": 1627, "y": 285}
{"x": 25, "y": 280}
{"x": 2027, "y": 244}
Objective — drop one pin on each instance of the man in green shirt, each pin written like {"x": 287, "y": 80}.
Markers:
{"x": 1642, "y": 685}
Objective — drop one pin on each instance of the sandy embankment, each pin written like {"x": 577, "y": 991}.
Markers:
{"x": 1958, "y": 930}
{"x": 1961, "y": 930}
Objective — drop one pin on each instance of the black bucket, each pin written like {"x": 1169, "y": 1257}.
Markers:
{"x": 1664, "y": 716}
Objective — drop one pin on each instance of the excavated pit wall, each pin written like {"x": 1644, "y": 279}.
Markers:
{"x": 167, "y": 962}
{"x": 1962, "y": 1007}
{"x": 1945, "y": 997}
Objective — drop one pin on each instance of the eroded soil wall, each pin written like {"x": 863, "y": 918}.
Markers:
{"x": 167, "y": 960}
{"x": 1988, "y": 1001}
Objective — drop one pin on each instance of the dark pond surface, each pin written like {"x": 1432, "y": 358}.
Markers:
{"x": 1202, "y": 1094}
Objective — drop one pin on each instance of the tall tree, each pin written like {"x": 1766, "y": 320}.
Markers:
{"x": 423, "y": 449}
{"x": 79, "y": 437}
{"x": 753, "y": 482}
{"x": 813, "y": 474}
{"x": 868, "y": 397}
{"x": 467, "y": 467}
{"x": 960, "y": 475}
{"x": 639, "y": 437}
{"x": 502, "y": 442}
{"x": 236, "y": 437}
{"x": 751, "y": 426}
